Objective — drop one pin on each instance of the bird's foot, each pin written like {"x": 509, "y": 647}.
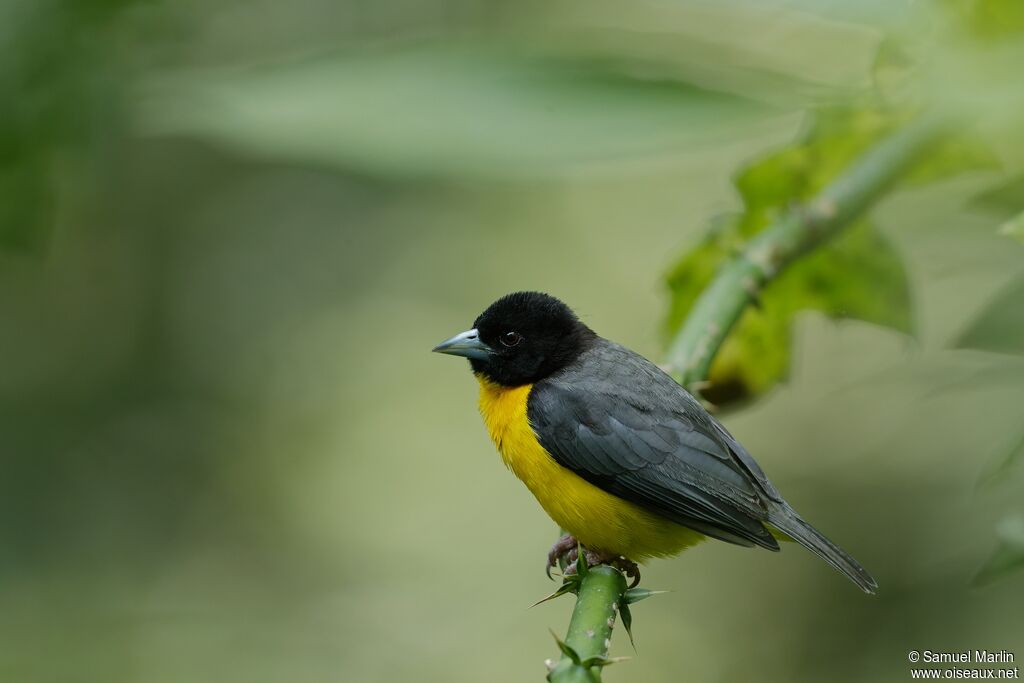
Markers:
{"x": 561, "y": 549}
{"x": 628, "y": 567}
{"x": 596, "y": 557}
{"x": 567, "y": 548}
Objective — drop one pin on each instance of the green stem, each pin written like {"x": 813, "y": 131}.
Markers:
{"x": 590, "y": 629}
{"x": 717, "y": 310}
{"x": 797, "y": 231}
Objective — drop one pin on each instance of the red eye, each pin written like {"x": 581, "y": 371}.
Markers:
{"x": 510, "y": 339}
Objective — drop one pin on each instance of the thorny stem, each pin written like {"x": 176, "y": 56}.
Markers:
{"x": 590, "y": 629}
{"x": 797, "y": 231}
{"x": 716, "y": 311}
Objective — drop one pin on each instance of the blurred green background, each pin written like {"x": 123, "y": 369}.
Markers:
{"x": 230, "y": 233}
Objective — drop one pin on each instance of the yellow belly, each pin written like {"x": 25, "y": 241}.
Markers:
{"x": 597, "y": 519}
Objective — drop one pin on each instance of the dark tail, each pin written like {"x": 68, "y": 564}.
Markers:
{"x": 786, "y": 520}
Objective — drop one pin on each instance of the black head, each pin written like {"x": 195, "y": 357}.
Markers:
{"x": 521, "y": 338}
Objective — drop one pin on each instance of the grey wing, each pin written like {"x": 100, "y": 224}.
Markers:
{"x": 623, "y": 429}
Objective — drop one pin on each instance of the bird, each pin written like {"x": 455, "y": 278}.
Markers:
{"x": 626, "y": 461}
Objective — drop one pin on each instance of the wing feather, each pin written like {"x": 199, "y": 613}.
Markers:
{"x": 625, "y": 426}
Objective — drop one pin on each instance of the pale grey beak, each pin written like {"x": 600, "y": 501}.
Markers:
{"x": 466, "y": 344}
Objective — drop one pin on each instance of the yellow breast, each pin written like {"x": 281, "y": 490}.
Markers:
{"x": 597, "y": 519}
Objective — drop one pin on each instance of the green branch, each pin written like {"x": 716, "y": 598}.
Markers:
{"x": 602, "y": 591}
{"x": 600, "y": 594}
{"x": 799, "y": 230}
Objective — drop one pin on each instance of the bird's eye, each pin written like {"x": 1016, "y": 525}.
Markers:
{"x": 510, "y": 339}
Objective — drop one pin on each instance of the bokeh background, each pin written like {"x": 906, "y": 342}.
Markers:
{"x": 230, "y": 233}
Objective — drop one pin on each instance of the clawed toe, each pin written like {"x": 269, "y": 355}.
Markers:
{"x": 629, "y": 568}
{"x": 564, "y": 547}
{"x": 567, "y": 548}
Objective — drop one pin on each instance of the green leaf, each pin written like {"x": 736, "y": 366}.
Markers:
{"x": 797, "y": 172}
{"x": 859, "y": 275}
{"x": 566, "y": 649}
{"x": 627, "y": 623}
{"x": 634, "y": 595}
{"x": 582, "y": 566}
{"x": 1000, "y": 326}
{"x": 442, "y": 109}
{"x": 1008, "y": 555}
{"x": 570, "y": 585}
